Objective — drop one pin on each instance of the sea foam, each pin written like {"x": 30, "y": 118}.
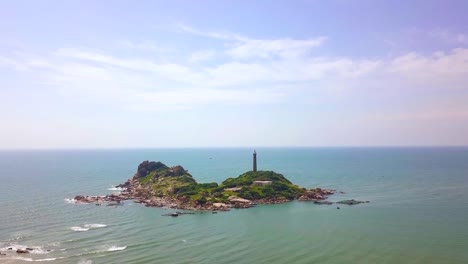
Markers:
{"x": 85, "y": 262}
{"x": 114, "y": 188}
{"x": 70, "y": 200}
{"x": 115, "y": 248}
{"x": 94, "y": 225}
{"x": 33, "y": 260}
{"x": 79, "y": 229}
{"x": 35, "y": 250}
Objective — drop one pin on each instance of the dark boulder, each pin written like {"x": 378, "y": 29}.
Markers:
{"x": 146, "y": 167}
{"x": 79, "y": 198}
{"x": 323, "y": 202}
{"x": 177, "y": 171}
{"x": 351, "y": 202}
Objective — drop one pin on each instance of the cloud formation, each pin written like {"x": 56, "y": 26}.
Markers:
{"x": 245, "y": 71}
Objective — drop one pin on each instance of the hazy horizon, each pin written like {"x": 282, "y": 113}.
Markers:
{"x": 241, "y": 147}
{"x": 217, "y": 74}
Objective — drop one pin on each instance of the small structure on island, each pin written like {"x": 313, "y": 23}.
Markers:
{"x": 254, "y": 160}
{"x": 262, "y": 183}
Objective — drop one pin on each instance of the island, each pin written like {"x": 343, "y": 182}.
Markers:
{"x": 158, "y": 185}
{"x": 155, "y": 184}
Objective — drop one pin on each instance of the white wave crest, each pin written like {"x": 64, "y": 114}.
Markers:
{"x": 85, "y": 262}
{"x": 79, "y": 229}
{"x": 31, "y": 260}
{"x": 115, "y": 248}
{"x": 94, "y": 225}
{"x": 115, "y": 188}
{"x": 70, "y": 200}
{"x": 46, "y": 259}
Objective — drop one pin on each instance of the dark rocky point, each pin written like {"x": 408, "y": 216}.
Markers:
{"x": 351, "y": 202}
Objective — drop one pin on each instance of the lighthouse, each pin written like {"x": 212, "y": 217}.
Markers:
{"x": 254, "y": 161}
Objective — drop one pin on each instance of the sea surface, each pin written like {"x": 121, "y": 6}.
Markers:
{"x": 418, "y": 210}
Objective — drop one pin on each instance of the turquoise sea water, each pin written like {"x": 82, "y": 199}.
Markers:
{"x": 418, "y": 211}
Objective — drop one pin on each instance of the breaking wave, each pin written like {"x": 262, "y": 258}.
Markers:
{"x": 94, "y": 225}
{"x": 114, "y": 248}
{"x": 32, "y": 250}
{"x": 79, "y": 229}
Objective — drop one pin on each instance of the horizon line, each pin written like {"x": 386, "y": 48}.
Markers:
{"x": 233, "y": 147}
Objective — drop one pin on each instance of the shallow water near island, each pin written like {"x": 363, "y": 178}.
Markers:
{"x": 418, "y": 210}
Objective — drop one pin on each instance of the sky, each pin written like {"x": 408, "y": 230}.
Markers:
{"x": 162, "y": 74}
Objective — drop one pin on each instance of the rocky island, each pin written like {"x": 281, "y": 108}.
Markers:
{"x": 155, "y": 184}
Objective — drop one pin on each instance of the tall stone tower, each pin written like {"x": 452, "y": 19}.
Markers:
{"x": 255, "y": 161}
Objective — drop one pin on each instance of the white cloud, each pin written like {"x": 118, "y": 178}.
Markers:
{"x": 216, "y": 35}
{"x": 11, "y": 63}
{"x": 201, "y": 56}
{"x": 246, "y": 48}
{"x": 449, "y": 36}
{"x": 447, "y": 70}
{"x": 267, "y": 49}
{"x": 271, "y": 75}
{"x": 143, "y": 83}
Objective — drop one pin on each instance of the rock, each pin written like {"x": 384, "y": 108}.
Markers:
{"x": 79, "y": 198}
{"x": 145, "y": 167}
{"x": 219, "y": 205}
{"x": 351, "y": 202}
{"x": 322, "y": 202}
{"x": 29, "y": 249}
{"x": 177, "y": 171}
{"x": 234, "y": 199}
{"x": 338, "y": 207}
{"x": 10, "y": 248}
{"x": 175, "y": 214}
{"x": 2, "y": 254}
{"x": 21, "y": 251}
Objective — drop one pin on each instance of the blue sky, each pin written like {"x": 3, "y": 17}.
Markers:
{"x": 126, "y": 74}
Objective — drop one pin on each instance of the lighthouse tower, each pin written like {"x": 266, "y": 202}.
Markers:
{"x": 254, "y": 161}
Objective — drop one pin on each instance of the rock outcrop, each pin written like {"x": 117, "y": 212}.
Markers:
{"x": 352, "y": 202}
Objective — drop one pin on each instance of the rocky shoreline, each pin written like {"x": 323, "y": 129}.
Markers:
{"x": 133, "y": 190}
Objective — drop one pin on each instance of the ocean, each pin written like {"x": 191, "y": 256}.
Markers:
{"x": 418, "y": 210}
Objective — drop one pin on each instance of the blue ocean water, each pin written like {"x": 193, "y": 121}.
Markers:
{"x": 418, "y": 211}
